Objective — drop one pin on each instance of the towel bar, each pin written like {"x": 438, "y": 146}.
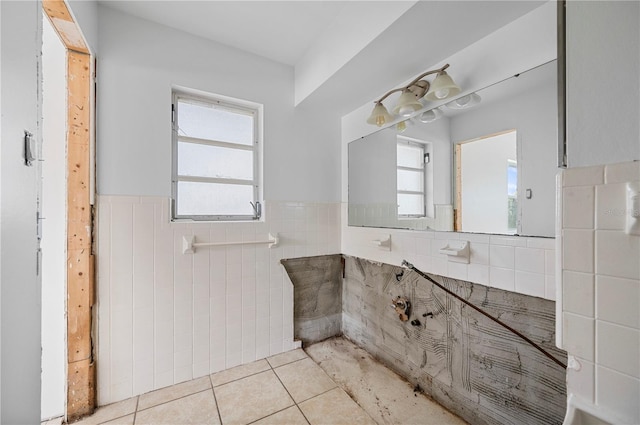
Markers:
{"x": 189, "y": 243}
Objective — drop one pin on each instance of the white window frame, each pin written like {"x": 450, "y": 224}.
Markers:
{"x": 401, "y": 140}
{"x": 235, "y": 105}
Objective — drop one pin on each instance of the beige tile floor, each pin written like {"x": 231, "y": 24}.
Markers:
{"x": 289, "y": 388}
{"x": 286, "y": 389}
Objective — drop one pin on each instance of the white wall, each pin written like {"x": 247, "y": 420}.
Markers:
{"x": 85, "y": 14}
{"x": 54, "y": 241}
{"x": 20, "y": 285}
{"x": 0, "y": 216}
{"x": 139, "y": 61}
{"x": 485, "y": 206}
{"x": 599, "y": 279}
{"x": 603, "y": 64}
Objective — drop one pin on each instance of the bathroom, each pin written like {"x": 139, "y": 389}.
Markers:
{"x": 163, "y": 316}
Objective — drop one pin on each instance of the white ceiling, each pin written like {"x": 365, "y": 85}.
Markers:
{"x": 284, "y": 31}
{"x": 278, "y": 30}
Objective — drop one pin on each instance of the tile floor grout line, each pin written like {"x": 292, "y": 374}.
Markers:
{"x": 285, "y": 388}
{"x": 237, "y": 379}
{"x": 135, "y": 412}
{"x": 324, "y": 392}
{"x": 275, "y": 413}
{"x": 215, "y": 400}
{"x": 303, "y": 415}
{"x": 293, "y": 361}
{"x": 175, "y": 399}
{"x": 295, "y": 403}
{"x": 112, "y": 418}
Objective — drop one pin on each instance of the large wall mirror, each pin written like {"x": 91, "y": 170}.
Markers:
{"x": 485, "y": 162}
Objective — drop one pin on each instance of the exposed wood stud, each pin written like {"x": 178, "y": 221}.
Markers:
{"x": 457, "y": 225}
{"x": 81, "y": 377}
{"x": 81, "y": 399}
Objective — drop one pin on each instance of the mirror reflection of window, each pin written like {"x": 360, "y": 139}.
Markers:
{"x": 512, "y": 195}
{"x": 488, "y": 189}
{"x": 411, "y": 160}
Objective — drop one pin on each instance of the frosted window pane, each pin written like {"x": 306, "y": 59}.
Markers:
{"x": 214, "y": 199}
{"x": 214, "y": 123}
{"x": 411, "y": 180}
{"x": 410, "y": 156}
{"x": 410, "y": 204}
{"x": 214, "y": 161}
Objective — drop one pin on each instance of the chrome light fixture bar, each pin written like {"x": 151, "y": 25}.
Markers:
{"x": 442, "y": 87}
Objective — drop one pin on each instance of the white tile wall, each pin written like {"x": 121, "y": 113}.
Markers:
{"x": 165, "y": 317}
{"x": 519, "y": 264}
{"x": 600, "y": 288}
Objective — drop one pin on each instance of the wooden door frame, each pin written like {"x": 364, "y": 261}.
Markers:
{"x": 80, "y": 285}
{"x": 457, "y": 163}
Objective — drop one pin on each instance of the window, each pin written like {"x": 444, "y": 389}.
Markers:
{"x": 411, "y": 161}
{"x": 215, "y": 158}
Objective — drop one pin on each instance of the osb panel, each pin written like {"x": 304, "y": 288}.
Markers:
{"x": 80, "y": 296}
{"x": 81, "y": 390}
{"x": 468, "y": 363}
{"x": 64, "y": 25}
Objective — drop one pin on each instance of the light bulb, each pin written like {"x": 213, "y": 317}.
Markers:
{"x": 442, "y": 94}
{"x": 428, "y": 116}
{"x": 463, "y": 100}
{"x": 379, "y": 116}
{"x": 406, "y": 111}
{"x": 401, "y": 126}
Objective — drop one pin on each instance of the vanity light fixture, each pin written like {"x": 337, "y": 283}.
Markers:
{"x": 464, "y": 102}
{"x": 441, "y": 88}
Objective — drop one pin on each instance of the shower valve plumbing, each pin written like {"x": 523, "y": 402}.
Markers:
{"x": 402, "y": 306}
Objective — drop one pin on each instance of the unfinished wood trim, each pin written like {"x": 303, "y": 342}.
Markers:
{"x": 62, "y": 20}
{"x": 487, "y": 136}
{"x": 457, "y": 212}
{"x": 81, "y": 376}
{"x": 81, "y": 379}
